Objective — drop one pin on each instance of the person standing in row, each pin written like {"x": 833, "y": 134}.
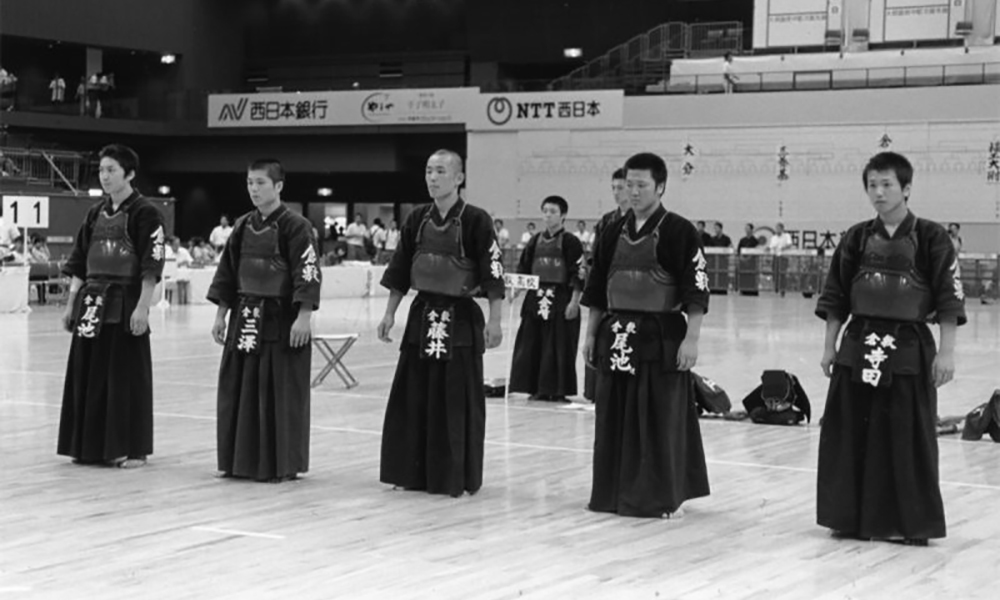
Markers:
{"x": 621, "y": 208}
{"x": 268, "y": 281}
{"x": 116, "y": 262}
{"x": 544, "y": 362}
{"x": 878, "y": 451}
{"x": 435, "y": 420}
{"x": 647, "y": 293}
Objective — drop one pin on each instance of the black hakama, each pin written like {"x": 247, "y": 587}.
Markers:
{"x": 648, "y": 454}
{"x": 544, "y": 361}
{"x": 435, "y": 420}
{"x": 434, "y": 432}
{"x": 878, "y": 453}
{"x": 107, "y": 408}
{"x": 263, "y": 402}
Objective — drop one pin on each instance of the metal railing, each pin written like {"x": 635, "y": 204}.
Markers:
{"x": 837, "y": 79}
{"x": 54, "y": 168}
{"x": 645, "y": 59}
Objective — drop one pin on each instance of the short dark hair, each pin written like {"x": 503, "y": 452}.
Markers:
{"x": 718, "y": 224}
{"x": 647, "y": 161}
{"x": 955, "y": 225}
{"x": 123, "y": 155}
{"x": 618, "y": 174}
{"x": 889, "y": 161}
{"x": 272, "y": 166}
{"x": 559, "y": 202}
{"x": 701, "y": 223}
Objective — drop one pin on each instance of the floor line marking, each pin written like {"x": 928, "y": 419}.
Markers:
{"x": 510, "y": 444}
{"x": 266, "y": 536}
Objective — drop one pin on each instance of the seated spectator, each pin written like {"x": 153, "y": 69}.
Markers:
{"x": 7, "y": 166}
{"x": 720, "y": 240}
{"x": 201, "y": 252}
{"x": 39, "y": 251}
{"x": 179, "y": 253}
{"x": 748, "y": 240}
{"x": 8, "y": 236}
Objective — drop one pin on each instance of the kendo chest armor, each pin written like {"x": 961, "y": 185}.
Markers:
{"x": 548, "y": 262}
{"x": 636, "y": 280}
{"x": 888, "y": 285}
{"x": 439, "y": 262}
{"x": 263, "y": 271}
{"x": 112, "y": 254}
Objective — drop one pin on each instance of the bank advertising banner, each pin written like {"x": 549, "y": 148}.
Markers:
{"x": 337, "y": 109}
{"x": 601, "y": 109}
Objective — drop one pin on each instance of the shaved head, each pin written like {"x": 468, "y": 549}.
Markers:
{"x": 453, "y": 158}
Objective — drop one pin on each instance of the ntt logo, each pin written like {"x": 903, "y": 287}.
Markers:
{"x": 499, "y": 110}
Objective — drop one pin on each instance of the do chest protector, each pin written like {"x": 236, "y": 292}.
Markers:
{"x": 636, "y": 280}
{"x": 548, "y": 262}
{"x": 112, "y": 254}
{"x": 263, "y": 271}
{"x": 888, "y": 285}
{"x": 440, "y": 265}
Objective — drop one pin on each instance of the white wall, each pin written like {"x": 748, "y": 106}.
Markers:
{"x": 735, "y": 177}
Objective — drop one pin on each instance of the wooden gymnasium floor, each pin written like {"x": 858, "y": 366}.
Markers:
{"x": 171, "y": 530}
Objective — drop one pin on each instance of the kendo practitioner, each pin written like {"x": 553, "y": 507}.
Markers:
{"x": 435, "y": 420}
{"x": 621, "y": 207}
{"x": 878, "y": 453}
{"x": 647, "y": 294}
{"x": 268, "y": 281}
{"x": 116, "y": 261}
{"x": 544, "y": 362}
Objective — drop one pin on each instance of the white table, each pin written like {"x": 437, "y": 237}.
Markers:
{"x": 14, "y": 290}
{"x": 341, "y": 281}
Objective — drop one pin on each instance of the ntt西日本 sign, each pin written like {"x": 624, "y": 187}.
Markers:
{"x": 600, "y": 109}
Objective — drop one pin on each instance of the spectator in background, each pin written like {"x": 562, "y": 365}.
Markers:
{"x": 220, "y": 235}
{"x": 583, "y": 234}
{"x": 201, "y": 251}
{"x": 378, "y": 239}
{"x": 39, "y": 252}
{"x": 58, "y": 88}
{"x": 8, "y": 235}
{"x": 179, "y": 253}
{"x": 704, "y": 236}
{"x": 7, "y": 166}
{"x": 503, "y": 236}
{"x": 729, "y": 78}
{"x": 720, "y": 240}
{"x": 781, "y": 240}
{"x": 391, "y": 242}
{"x": 8, "y": 89}
{"x": 526, "y": 236}
{"x": 748, "y": 240}
{"x": 956, "y": 239}
{"x": 81, "y": 95}
{"x": 356, "y": 234}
